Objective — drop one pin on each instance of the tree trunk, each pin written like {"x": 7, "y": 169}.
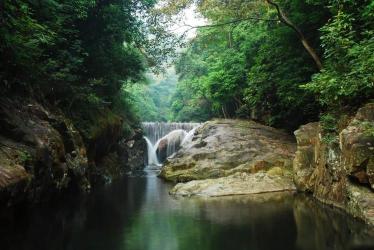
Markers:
{"x": 224, "y": 112}
{"x": 284, "y": 19}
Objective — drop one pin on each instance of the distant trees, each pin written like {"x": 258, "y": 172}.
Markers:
{"x": 151, "y": 101}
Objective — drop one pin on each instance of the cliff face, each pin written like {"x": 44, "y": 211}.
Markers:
{"x": 42, "y": 154}
{"x": 339, "y": 173}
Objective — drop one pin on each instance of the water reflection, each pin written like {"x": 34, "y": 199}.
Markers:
{"x": 137, "y": 213}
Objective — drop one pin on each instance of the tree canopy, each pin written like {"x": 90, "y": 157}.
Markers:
{"x": 249, "y": 63}
{"x": 282, "y": 62}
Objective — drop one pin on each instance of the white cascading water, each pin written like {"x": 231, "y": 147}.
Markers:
{"x": 188, "y": 137}
{"x": 173, "y": 140}
{"x": 174, "y": 134}
{"x": 152, "y": 156}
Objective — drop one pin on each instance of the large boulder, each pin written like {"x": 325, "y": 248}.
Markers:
{"x": 162, "y": 149}
{"x": 339, "y": 172}
{"x": 169, "y": 144}
{"x": 232, "y": 157}
{"x": 223, "y": 147}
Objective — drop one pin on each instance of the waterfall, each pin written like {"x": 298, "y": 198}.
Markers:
{"x": 156, "y": 130}
{"x": 188, "y": 136}
{"x": 152, "y": 157}
{"x": 164, "y": 139}
{"x": 170, "y": 143}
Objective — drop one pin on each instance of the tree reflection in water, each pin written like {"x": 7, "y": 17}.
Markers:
{"x": 138, "y": 213}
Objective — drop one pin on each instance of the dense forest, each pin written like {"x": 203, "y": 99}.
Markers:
{"x": 78, "y": 56}
{"x": 151, "y": 99}
{"x": 249, "y": 61}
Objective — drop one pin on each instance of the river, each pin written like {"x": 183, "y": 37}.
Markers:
{"x": 138, "y": 213}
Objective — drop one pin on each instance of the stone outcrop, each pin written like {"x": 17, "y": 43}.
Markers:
{"x": 162, "y": 150}
{"x": 232, "y": 157}
{"x": 133, "y": 152}
{"x": 42, "y": 154}
{"x": 339, "y": 172}
{"x": 221, "y": 148}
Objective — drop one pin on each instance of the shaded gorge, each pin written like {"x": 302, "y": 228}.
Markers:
{"x": 138, "y": 213}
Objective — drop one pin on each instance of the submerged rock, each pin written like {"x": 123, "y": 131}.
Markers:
{"x": 339, "y": 172}
{"x": 221, "y": 148}
{"x": 320, "y": 226}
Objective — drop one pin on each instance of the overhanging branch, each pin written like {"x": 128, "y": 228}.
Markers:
{"x": 284, "y": 19}
{"x": 226, "y": 23}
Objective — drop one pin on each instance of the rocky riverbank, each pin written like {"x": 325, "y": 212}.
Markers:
{"x": 42, "y": 154}
{"x": 234, "y": 157}
{"x": 339, "y": 171}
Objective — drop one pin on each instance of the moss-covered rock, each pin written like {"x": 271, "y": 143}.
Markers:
{"x": 41, "y": 153}
{"x": 339, "y": 172}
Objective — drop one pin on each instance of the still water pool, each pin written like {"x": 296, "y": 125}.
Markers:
{"x": 136, "y": 213}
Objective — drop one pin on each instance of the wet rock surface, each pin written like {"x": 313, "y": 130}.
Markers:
{"x": 41, "y": 153}
{"x": 339, "y": 172}
{"x": 133, "y": 152}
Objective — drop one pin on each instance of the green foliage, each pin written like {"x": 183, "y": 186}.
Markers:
{"x": 348, "y": 42}
{"x": 259, "y": 69}
{"x": 328, "y": 123}
{"x": 329, "y": 128}
{"x": 273, "y": 91}
{"x": 85, "y": 56}
{"x": 24, "y": 157}
{"x": 140, "y": 98}
{"x": 250, "y": 69}
{"x": 152, "y": 101}
{"x": 368, "y": 128}
{"x": 75, "y": 54}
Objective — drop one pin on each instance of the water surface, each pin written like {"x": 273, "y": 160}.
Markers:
{"x": 137, "y": 213}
